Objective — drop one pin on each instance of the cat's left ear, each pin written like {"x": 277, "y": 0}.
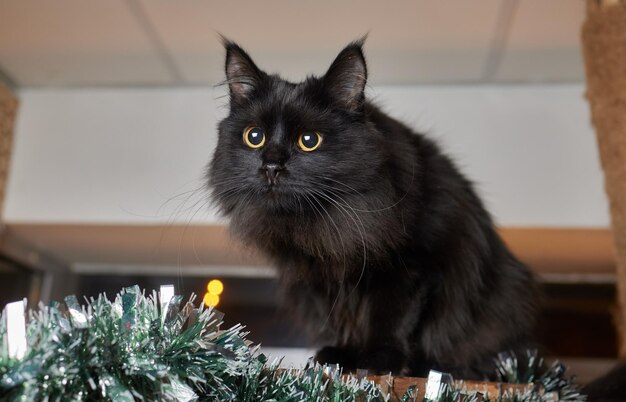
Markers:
{"x": 347, "y": 76}
{"x": 243, "y": 76}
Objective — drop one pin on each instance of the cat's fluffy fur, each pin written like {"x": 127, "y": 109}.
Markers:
{"x": 384, "y": 250}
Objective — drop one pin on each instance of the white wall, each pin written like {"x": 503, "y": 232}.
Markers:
{"x": 118, "y": 155}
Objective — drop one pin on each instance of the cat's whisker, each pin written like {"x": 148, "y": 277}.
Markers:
{"x": 226, "y": 181}
{"x": 179, "y": 210}
{"x": 331, "y": 191}
{"x": 175, "y": 214}
{"x": 382, "y": 209}
{"x": 361, "y": 230}
{"x": 218, "y": 199}
{"x": 178, "y": 196}
{"x": 186, "y": 227}
{"x": 216, "y": 195}
{"x": 332, "y": 308}
{"x": 342, "y": 184}
{"x": 300, "y": 207}
{"x": 308, "y": 200}
{"x": 340, "y": 193}
{"x": 181, "y": 206}
{"x": 193, "y": 242}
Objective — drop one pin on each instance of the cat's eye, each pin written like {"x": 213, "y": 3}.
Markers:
{"x": 254, "y": 137}
{"x": 309, "y": 141}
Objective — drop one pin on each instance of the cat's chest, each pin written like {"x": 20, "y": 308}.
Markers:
{"x": 328, "y": 296}
{"x": 329, "y": 236}
{"x": 300, "y": 237}
{"x": 329, "y": 233}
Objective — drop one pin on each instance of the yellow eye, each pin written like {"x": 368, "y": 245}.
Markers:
{"x": 309, "y": 141}
{"x": 254, "y": 137}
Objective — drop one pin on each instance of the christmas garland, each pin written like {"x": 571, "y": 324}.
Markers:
{"x": 135, "y": 349}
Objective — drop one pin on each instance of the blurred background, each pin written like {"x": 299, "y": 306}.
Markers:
{"x": 105, "y": 155}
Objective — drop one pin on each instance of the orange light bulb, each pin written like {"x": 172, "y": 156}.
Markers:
{"x": 215, "y": 287}
{"x": 211, "y": 300}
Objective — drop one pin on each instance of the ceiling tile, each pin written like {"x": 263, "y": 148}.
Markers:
{"x": 76, "y": 42}
{"x": 92, "y": 43}
{"x": 544, "y": 42}
{"x": 409, "y": 41}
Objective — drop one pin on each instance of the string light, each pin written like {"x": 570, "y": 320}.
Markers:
{"x": 211, "y": 300}
{"x": 214, "y": 288}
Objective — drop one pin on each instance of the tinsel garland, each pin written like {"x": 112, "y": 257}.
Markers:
{"x": 134, "y": 349}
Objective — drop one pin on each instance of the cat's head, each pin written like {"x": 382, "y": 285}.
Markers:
{"x": 288, "y": 147}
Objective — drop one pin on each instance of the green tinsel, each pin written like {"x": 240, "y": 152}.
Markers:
{"x": 552, "y": 379}
{"x": 129, "y": 350}
{"x": 126, "y": 350}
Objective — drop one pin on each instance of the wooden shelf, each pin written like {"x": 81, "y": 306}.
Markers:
{"x": 564, "y": 255}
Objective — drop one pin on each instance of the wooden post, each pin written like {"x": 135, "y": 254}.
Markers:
{"x": 8, "y": 111}
{"x": 604, "y": 49}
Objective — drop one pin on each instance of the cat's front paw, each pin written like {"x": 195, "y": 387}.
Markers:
{"x": 342, "y": 356}
{"x": 383, "y": 360}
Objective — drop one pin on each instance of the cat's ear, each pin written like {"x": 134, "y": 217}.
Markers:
{"x": 242, "y": 75}
{"x": 347, "y": 76}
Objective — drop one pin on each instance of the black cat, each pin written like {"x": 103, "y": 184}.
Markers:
{"x": 384, "y": 250}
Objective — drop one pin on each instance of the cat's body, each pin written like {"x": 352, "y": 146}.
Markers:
{"x": 383, "y": 248}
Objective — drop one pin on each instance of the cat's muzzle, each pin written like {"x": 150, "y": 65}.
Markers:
{"x": 272, "y": 171}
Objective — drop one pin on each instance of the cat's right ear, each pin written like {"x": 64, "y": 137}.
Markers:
{"x": 242, "y": 75}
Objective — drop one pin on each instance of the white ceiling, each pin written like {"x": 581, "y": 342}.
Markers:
{"x": 162, "y": 42}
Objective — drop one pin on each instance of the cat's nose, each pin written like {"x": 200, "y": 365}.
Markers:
{"x": 272, "y": 170}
